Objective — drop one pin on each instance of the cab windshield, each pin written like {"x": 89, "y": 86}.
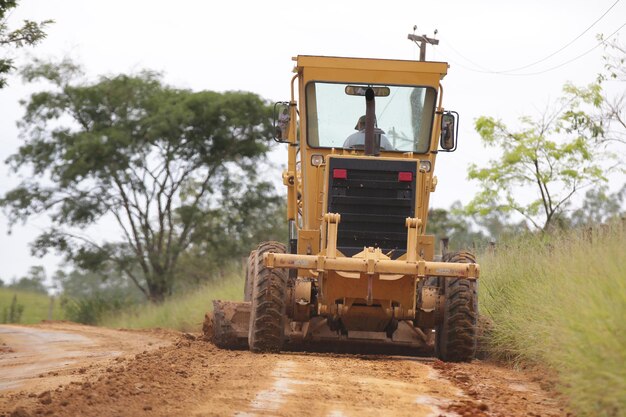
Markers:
{"x": 335, "y": 116}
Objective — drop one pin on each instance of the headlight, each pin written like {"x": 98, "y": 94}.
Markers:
{"x": 317, "y": 160}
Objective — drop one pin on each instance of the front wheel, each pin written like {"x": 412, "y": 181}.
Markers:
{"x": 267, "y": 316}
{"x": 455, "y": 337}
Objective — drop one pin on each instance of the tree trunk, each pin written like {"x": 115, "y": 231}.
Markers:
{"x": 159, "y": 286}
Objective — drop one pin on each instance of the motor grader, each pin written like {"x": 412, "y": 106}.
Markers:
{"x": 359, "y": 268}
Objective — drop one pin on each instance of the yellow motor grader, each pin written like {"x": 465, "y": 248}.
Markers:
{"x": 362, "y": 140}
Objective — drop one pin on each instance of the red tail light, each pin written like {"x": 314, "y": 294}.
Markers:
{"x": 340, "y": 174}
{"x": 405, "y": 176}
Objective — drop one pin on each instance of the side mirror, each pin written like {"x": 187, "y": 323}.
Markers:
{"x": 449, "y": 130}
{"x": 281, "y": 121}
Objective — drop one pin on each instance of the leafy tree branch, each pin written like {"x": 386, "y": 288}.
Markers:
{"x": 29, "y": 34}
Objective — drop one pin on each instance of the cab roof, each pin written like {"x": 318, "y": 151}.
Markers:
{"x": 370, "y": 64}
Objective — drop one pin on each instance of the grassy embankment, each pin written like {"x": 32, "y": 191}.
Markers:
{"x": 563, "y": 305}
{"x": 36, "y": 305}
{"x": 183, "y": 312}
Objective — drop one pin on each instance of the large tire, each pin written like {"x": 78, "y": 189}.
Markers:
{"x": 249, "y": 284}
{"x": 455, "y": 337}
{"x": 267, "y": 317}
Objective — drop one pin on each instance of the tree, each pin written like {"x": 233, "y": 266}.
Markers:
{"x": 467, "y": 231}
{"x": 599, "y": 206}
{"x": 549, "y": 157}
{"x": 106, "y": 283}
{"x": 560, "y": 153}
{"x": 455, "y": 225}
{"x": 250, "y": 215}
{"x": 613, "y": 110}
{"x": 130, "y": 150}
{"x": 499, "y": 226}
{"x": 29, "y": 34}
{"x": 33, "y": 282}
{"x": 605, "y": 114}
{"x": 87, "y": 296}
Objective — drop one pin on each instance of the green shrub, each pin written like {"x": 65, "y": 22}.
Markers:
{"x": 12, "y": 313}
{"x": 90, "y": 310}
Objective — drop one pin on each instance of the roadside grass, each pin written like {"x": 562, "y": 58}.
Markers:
{"x": 184, "y": 312}
{"x": 562, "y": 303}
{"x": 36, "y": 306}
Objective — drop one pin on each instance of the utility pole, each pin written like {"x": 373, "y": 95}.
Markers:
{"x": 421, "y": 41}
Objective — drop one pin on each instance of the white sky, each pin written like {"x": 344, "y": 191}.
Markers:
{"x": 248, "y": 45}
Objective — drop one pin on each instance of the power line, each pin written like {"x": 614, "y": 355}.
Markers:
{"x": 575, "y": 58}
{"x": 543, "y": 71}
{"x": 483, "y": 69}
{"x": 568, "y": 44}
{"x": 505, "y": 72}
{"x": 6, "y": 18}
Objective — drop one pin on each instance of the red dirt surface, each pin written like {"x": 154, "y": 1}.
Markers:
{"x": 71, "y": 370}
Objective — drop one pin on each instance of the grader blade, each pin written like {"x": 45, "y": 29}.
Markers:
{"x": 228, "y": 326}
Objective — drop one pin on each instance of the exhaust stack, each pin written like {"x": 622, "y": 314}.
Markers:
{"x": 372, "y": 143}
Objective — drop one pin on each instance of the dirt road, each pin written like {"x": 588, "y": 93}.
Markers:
{"x": 72, "y": 370}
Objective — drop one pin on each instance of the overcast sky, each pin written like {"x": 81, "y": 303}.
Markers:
{"x": 248, "y": 45}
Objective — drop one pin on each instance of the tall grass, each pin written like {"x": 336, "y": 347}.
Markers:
{"x": 562, "y": 304}
{"x": 184, "y": 311}
{"x": 36, "y": 305}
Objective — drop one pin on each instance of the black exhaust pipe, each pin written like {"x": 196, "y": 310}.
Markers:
{"x": 372, "y": 146}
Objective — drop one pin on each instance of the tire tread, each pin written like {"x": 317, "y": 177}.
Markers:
{"x": 456, "y": 337}
{"x": 267, "y": 317}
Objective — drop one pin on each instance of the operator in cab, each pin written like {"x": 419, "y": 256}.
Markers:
{"x": 357, "y": 139}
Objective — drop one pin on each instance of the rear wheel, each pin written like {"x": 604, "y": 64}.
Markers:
{"x": 455, "y": 337}
{"x": 267, "y": 317}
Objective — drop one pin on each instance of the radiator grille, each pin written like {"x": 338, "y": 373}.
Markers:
{"x": 373, "y": 204}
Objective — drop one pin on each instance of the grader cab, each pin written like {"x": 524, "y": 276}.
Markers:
{"x": 362, "y": 140}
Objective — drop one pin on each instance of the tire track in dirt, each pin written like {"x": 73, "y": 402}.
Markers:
{"x": 345, "y": 385}
{"x": 271, "y": 400}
